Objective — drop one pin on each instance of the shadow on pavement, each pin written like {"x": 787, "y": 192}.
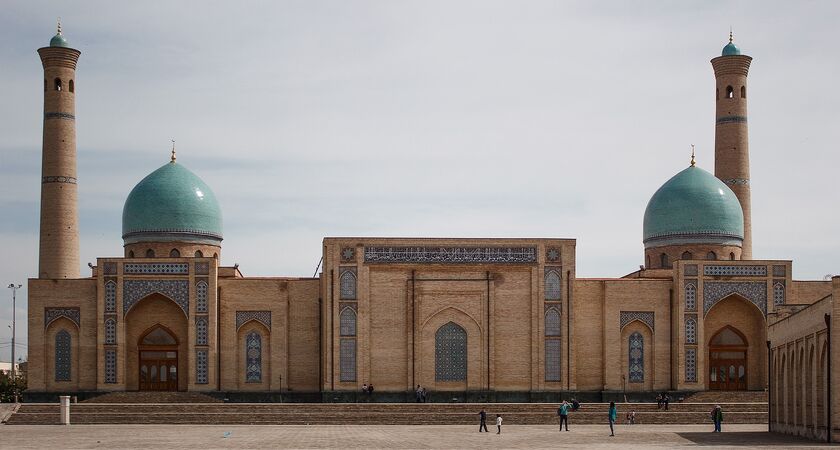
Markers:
{"x": 748, "y": 438}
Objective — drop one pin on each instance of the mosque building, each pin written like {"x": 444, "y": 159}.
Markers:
{"x": 477, "y": 319}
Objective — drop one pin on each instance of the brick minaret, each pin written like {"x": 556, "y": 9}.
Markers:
{"x": 732, "y": 155}
{"x": 59, "y": 246}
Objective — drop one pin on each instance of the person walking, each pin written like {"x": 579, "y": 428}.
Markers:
{"x": 482, "y": 417}
{"x": 666, "y": 399}
{"x": 417, "y": 394}
{"x": 563, "y": 412}
{"x": 499, "y": 423}
{"x": 613, "y": 416}
{"x": 717, "y": 417}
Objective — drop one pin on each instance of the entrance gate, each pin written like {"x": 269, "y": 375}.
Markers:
{"x": 158, "y": 361}
{"x": 728, "y": 360}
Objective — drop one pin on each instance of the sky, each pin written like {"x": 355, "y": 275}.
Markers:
{"x": 421, "y": 118}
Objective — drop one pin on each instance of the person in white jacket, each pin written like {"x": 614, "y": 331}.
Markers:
{"x": 499, "y": 423}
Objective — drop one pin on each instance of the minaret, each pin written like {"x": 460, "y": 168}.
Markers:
{"x": 59, "y": 246}
{"x": 732, "y": 155}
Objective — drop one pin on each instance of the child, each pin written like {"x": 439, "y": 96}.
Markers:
{"x": 499, "y": 423}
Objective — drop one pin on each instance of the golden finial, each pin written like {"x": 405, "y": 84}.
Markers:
{"x": 173, "y": 150}
{"x": 730, "y": 35}
{"x": 59, "y": 25}
{"x": 692, "y": 155}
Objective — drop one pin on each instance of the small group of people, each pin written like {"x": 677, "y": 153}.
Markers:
{"x": 367, "y": 389}
{"x": 662, "y": 401}
{"x": 482, "y": 424}
{"x": 420, "y": 394}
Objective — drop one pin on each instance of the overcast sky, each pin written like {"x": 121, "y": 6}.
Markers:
{"x": 398, "y": 118}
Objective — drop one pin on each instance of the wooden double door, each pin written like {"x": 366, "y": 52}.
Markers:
{"x": 728, "y": 360}
{"x": 158, "y": 370}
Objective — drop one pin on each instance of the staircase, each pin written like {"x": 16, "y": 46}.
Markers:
{"x": 153, "y": 397}
{"x": 373, "y": 413}
{"x": 728, "y": 397}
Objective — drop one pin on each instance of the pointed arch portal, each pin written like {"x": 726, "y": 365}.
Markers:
{"x": 728, "y": 360}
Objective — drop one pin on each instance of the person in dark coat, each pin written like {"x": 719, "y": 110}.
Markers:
{"x": 482, "y": 418}
{"x": 717, "y": 417}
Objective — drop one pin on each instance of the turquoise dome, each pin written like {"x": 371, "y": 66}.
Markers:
{"x": 172, "y": 204}
{"x": 730, "y": 49}
{"x": 693, "y": 206}
{"x": 58, "y": 41}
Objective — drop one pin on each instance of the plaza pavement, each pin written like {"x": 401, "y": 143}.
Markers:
{"x": 389, "y": 436}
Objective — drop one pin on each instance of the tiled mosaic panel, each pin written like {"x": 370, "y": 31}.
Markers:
{"x": 779, "y": 271}
{"x": 735, "y": 271}
{"x": 778, "y": 293}
{"x": 636, "y": 358}
{"x": 690, "y": 330}
{"x": 691, "y": 365}
{"x": 201, "y": 297}
{"x": 110, "y": 331}
{"x": 201, "y": 330}
{"x": 110, "y": 268}
{"x": 552, "y": 285}
{"x": 690, "y": 296}
{"x": 110, "y": 366}
{"x": 552, "y": 322}
{"x": 136, "y": 290}
{"x": 201, "y": 366}
{"x": 263, "y": 317}
{"x": 110, "y": 297}
{"x": 451, "y": 255}
{"x": 755, "y": 292}
{"x": 347, "y": 322}
{"x": 347, "y": 284}
{"x": 156, "y": 269}
{"x": 63, "y": 355}
{"x": 552, "y": 360}
{"x": 202, "y": 268}
{"x": 51, "y": 314}
{"x": 347, "y": 359}
{"x": 646, "y": 317}
{"x": 450, "y": 353}
{"x": 253, "y": 357}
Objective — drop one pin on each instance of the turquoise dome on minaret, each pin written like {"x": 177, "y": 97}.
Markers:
{"x": 693, "y": 206}
{"x": 58, "y": 40}
{"x": 172, "y": 204}
{"x": 730, "y": 49}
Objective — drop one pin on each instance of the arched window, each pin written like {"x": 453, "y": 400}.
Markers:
{"x": 131, "y": 253}
{"x": 198, "y": 254}
{"x": 347, "y": 322}
{"x": 72, "y": 86}
{"x": 110, "y": 331}
{"x": 743, "y": 92}
{"x": 779, "y": 294}
{"x": 253, "y": 357}
{"x": 201, "y": 296}
{"x": 150, "y": 253}
{"x": 636, "y": 362}
{"x": 690, "y": 331}
{"x": 686, "y": 255}
{"x": 690, "y": 297}
{"x": 552, "y": 322}
{"x": 711, "y": 256}
{"x": 663, "y": 261}
{"x": 732, "y": 256}
{"x": 347, "y": 286}
{"x": 57, "y": 84}
{"x": 215, "y": 255}
{"x": 730, "y": 93}
{"x": 110, "y": 297}
{"x": 63, "y": 356}
{"x": 450, "y": 353}
{"x": 552, "y": 285}
{"x": 174, "y": 253}
{"x": 201, "y": 331}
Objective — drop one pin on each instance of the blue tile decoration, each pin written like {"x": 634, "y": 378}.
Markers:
{"x": 63, "y": 355}
{"x": 202, "y": 268}
{"x": 110, "y": 296}
{"x": 263, "y": 317}
{"x": 176, "y": 290}
{"x": 347, "y": 283}
{"x": 646, "y": 317}
{"x": 553, "y": 289}
{"x": 201, "y": 366}
{"x": 691, "y": 365}
{"x": 735, "y": 271}
{"x": 51, "y": 314}
{"x": 451, "y": 255}
{"x": 253, "y": 357}
{"x": 347, "y": 359}
{"x": 110, "y": 366}
{"x": 156, "y": 269}
{"x": 690, "y": 329}
{"x": 691, "y": 295}
{"x": 450, "y": 353}
{"x": 201, "y": 297}
{"x": 347, "y": 321}
{"x": 110, "y": 331}
{"x": 552, "y": 360}
{"x": 779, "y": 292}
{"x": 755, "y": 292}
{"x": 201, "y": 330}
{"x": 636, "y": 358}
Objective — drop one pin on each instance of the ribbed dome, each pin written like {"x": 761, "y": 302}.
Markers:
{"x": 693, "y": 207}
{"x": 172, "y": 204}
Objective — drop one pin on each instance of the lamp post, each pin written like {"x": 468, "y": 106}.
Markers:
{"x": 14, "y": 288}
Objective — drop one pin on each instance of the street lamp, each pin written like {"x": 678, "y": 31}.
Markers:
{"x": 14, "y": 288}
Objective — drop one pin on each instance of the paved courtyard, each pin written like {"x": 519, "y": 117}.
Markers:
{"x": 388, "y": 436}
